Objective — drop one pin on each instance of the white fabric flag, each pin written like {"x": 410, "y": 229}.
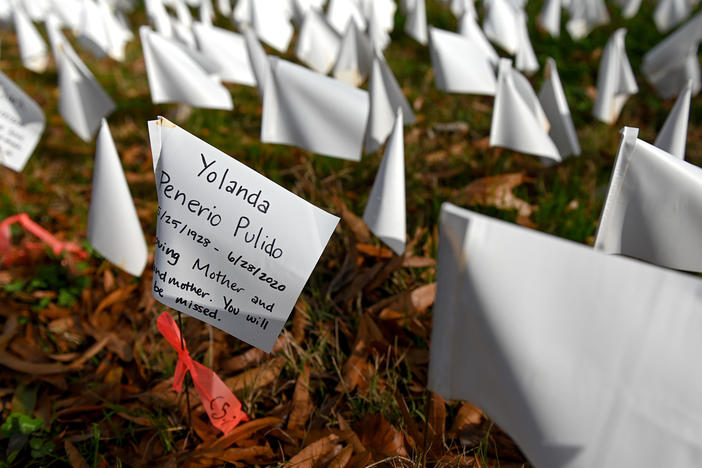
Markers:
{"x": 615, "y": 80}
{"x": 207, "y": 13}
{"x": 500, "y": 25}
{"x": 318, "y": 43}
{"x": 21, "y": 124}
{"x": 271, "y": 21}
{"x": 518, "y": 120}
{"x": 416, "y": 23}
{"x": 32, "y": 48}
{"x": 670, "y": 13}
{"x": 586, "y": 15}
{"x": 525, "y": 59}
{"x": 67, "y": 11}
{"x": 385, "y": 98}
{"x": 301, "y": 7}
{"x": 385, "y": 209}
{"x": 183, "y": 12}
{"x": 36, "y": 9}
{"x": 629, "y": 7}
{"x": 257, "y": 58}
{"x": 174, "y": 76}
{"x": 233, "y": 248}
{"x": 460, "y": 65}
{"x": 379, "y": 36}
{"x": 82, "y": 101}
{"x": 673, "y": 136}
{"x": 340, "y": 12}
{"x": 553, "y": 100}
{"x": 382, "y": 10}
{"x": 653, "y": 209}
{"x": 101, "y": 32}
{"x": 113, "y": 225}
{"x": 585, "y": 360}
{"x": 468, "y": 27}
{"x": 353, "y": 62}
{"x": 228, "y": 50}
{"x": 312, "y": 111}
{"x": 674, "y": 61}
{"x": 243, "y": 13}
{"x": 550, "y": 17}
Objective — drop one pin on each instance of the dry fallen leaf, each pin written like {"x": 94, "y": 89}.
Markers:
{"x": 302, "y": 405}
{"x": 74, "y": 456}
{"x": 258, "y": 377}
{"x": 381, "y": 437}
{"x": 497, "y": 191}
{"x": 309, "y": 455}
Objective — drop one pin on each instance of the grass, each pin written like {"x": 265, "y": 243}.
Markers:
{"x": 55, "y": 190}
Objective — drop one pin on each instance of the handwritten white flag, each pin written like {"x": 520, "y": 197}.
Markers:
{"x": 233, "y": 248}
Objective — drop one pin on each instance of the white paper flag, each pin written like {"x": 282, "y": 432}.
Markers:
{"x": 174, "y": 76}
{"x": 460, "y": 65}
{"x": 385, "y": 98}
{"x": 674, "y": 61}
{"x": 21, "y": 124}
{"x": 385, "y": 209}
{"x": 629, "y": 7}
{"x": 271, "y": 21}
{"x": 615, "y": 80}
{"x": 159, "y": 17}
{"x": 257, "y": 58}
{"x": 33, "y": 51}
{"x": 653, "y": 208}
{"x": 525, "y": 59}
{"x": 312, "y": 111}
{"x": 340, "y": 12}
{"x": 382, "y": 10}
{"x": 233, "y": 248}
{"x": 670, "y": 13}
{"x": 553, "y": 100}
{"x": 68, "y": 12}
{"x": 585, "y": 360}
{"x": 224, "y": 7}
{"x": 318, "y": 43}
{"x": 36, "y": 9}
{"x": 113, "y": 225}
{"x": 416, "y": 24}
{"x": 500, "y": 25}
{"x": 379, "y": 37}
{"x": 228, "y": 50}
{"x": 207, "y": 12}
{"x": 673, "y": 136}
{"x": 469, "y": 28}
{"x": 355, "y": 56}
{"x": 586, "y": 15}
{"x": 463, "y": 7}
{"x": 243, "y": 13}
{"x": 550, "y": 17}
{"x": 82, "y": 101}
{"x": 518, "y": 120}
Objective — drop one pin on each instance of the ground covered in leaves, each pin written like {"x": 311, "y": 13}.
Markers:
{"x": 85, "y": 377}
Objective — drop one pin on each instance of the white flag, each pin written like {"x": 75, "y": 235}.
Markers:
{"x": 629, "y": 7}
{"x": 257, "y": 58}
{"x": 653, "y": 210}
{"x": 500, "y": 25}
{"x": 670, "y": 13}
{"x": 674, "y": 61}
{"x": 21, "y": 124}
{"x": 318, "y": 43}
{"x": 553, "y": 100}
{"x": 174, "y": 76}
{"x": 586, "y": 15}
{"x": 525, "y": 59}
{"x": 550, "y": 17}
{"x": 585, "y": 360}
{"x": 353, "y": 62}
{"x": 271, "y": 21}
{"x": 460, "y": 65}
{"x": 416, "y": 24}
{"x": 82, "y": 101}
{"x": 113, "y": 225}
{"x": 385, "y": 98}
{"x": 615, "y": 80}
{"x": 518, "y": 120}
{"x": 228, "y": 50}
{"x": 340, "y": 12}
{"x": 673, "y": 136}
{"x": 312, "y": 111}
{"x": 468, "y": 27}
{"x": 233, "y": 248}
{"x": 32, "y": 48}
{"x": 385, "y": 209}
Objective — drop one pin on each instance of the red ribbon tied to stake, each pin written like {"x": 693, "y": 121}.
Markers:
{"x": 223, "y": 408}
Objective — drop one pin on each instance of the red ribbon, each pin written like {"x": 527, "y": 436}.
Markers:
{"x": 56, "y": 245}
{"x": 223, "y": 408}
